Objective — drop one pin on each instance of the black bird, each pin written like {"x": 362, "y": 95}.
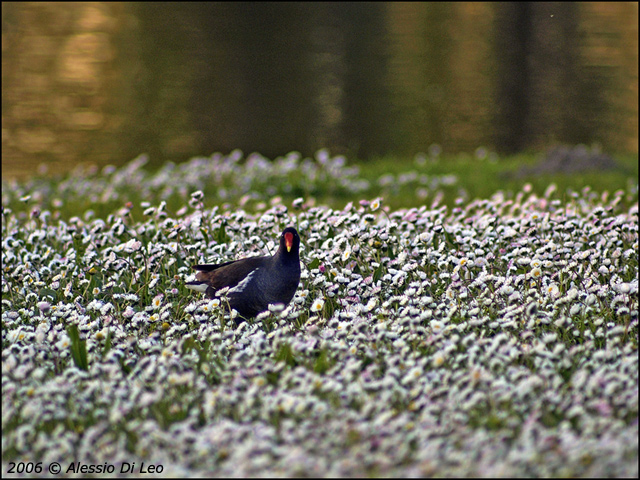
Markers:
{"x": 255, "y": 282}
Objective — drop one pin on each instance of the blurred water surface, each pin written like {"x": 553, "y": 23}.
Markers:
{"x": 102, "y": 82}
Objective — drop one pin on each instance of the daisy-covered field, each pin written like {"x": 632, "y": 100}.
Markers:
{"x": 495, "y": 338}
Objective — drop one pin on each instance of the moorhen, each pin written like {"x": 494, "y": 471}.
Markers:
{"x": 254, "y": 282}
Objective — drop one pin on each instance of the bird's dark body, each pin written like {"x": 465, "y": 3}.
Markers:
{"x": 255, "y": 282}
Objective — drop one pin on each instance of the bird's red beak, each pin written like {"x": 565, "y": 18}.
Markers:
{"x": 288, "y": 240}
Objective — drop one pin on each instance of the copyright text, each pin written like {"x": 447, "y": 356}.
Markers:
{"x": 55, "y": 468}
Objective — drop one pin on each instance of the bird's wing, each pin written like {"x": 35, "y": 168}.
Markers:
{"x": 227, "y": 274}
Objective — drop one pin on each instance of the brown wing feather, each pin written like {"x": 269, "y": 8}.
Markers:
{"x": 227, "y": 274}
